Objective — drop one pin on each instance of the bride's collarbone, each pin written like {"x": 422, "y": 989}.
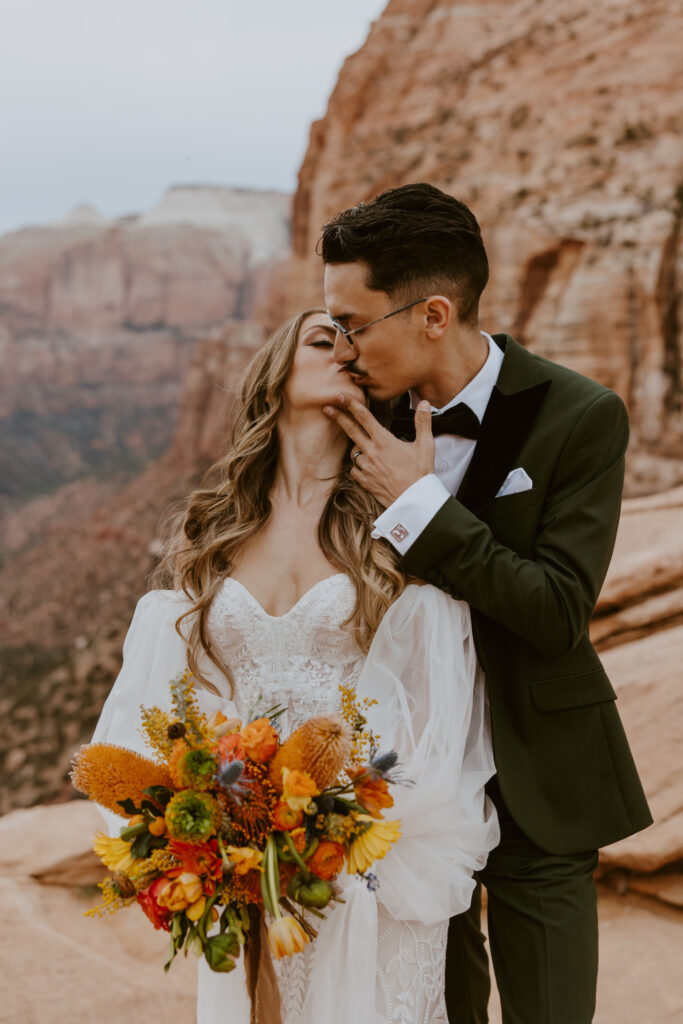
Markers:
{"x": 279, "y": 584}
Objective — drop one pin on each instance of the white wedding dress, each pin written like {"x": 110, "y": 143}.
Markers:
{"x": 380, "y": 957}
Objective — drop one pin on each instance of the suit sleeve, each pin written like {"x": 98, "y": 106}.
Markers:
{"x": 546, "y": 600}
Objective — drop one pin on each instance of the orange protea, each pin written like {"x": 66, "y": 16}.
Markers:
{"x": 250, "y": 809}
{"x": 107, "y": 774}
{"x": 371, "y": 791}
{"x": 327, "y": 860}
{"x": 259, "y": 740}
{"x": 247, "y": 888}
{"x": 320, "y": 747}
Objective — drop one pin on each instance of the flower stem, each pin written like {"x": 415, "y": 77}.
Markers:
{"x": 265, "y": 890}
{"x": 295, "y": 855}
{"x": 291, "y": 909}
{"x": 273, "y": 876}
{"x": 224, "y": 856}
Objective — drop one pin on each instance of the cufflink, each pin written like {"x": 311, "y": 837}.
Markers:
{"x": 399, "y": 532}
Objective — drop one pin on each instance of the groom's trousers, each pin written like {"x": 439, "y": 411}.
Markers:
{"x": 543, "y": 930}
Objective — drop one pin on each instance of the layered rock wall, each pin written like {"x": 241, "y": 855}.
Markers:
{"x": 98, "y": 321}
{"x": 560, "y": 125}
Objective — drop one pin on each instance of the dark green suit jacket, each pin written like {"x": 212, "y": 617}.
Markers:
{"x": 531, "y": 566}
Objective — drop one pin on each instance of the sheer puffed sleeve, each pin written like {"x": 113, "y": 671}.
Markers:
{"x": 153, "y": 654}
{"x": 431, "y": 708}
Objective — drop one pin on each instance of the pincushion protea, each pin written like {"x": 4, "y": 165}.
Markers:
{"x": 107, "y": 774}
{"x": 320, "y": 747}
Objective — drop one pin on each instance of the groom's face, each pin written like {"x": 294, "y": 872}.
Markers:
{"x": 387, "y": 358}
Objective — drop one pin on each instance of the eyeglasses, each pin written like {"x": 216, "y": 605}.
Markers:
{"x": 347, "y": 334}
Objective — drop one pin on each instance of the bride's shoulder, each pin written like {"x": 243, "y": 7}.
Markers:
{"x": 162, "y": 604}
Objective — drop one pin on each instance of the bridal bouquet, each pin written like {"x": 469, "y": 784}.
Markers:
{"x": 230, "y": 830}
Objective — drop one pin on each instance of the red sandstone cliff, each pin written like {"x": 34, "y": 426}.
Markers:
{"x": 560, "y": 124}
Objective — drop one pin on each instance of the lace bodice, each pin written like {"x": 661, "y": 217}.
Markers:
{"x": 297, "y": 659}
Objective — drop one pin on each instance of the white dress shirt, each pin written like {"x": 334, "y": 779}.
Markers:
{"x": 403, "y": 522}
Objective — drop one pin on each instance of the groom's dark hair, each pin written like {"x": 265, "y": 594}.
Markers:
{"x": 413, "y": 239}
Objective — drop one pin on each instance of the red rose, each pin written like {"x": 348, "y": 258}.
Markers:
{"x": 147, "y": 898}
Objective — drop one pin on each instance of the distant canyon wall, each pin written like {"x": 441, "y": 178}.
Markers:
{"x": 98, "y": 320}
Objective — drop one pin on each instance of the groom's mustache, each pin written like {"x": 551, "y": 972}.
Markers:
{"x": 353, "y": 370}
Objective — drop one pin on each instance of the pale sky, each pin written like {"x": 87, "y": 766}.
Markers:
{"x": 112, "y": 101}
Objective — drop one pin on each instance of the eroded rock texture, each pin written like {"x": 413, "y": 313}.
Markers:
{"x": 560, "y": 125}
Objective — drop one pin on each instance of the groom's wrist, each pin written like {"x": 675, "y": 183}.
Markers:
{"x": 403, "y": 521}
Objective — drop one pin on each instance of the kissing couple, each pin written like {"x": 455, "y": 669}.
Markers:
{"x": 425, "y": 512}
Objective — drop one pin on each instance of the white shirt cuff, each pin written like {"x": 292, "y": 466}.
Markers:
{"x": 403, "y": 522}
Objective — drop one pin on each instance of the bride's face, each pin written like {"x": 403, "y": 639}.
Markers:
{"x": 316, "y": 378}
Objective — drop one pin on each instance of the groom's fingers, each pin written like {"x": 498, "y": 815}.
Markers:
{"x": 348, "y": 424}
{"x": 424, "y": 437}
{"x": 354, "y": 419}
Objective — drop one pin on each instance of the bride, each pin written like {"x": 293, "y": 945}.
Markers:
{"x": 279, "y": 595}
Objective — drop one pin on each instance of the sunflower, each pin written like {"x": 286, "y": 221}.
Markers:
{"x": 114, "y": 852}
{"x": 372, "y": 843}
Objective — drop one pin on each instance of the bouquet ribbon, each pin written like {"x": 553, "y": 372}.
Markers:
{"x": 260, "y": 974}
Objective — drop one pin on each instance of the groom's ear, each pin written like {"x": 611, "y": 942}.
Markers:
{"x": 439, "y": 313}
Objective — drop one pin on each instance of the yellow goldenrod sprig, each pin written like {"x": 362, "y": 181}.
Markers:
{"x": 353, "y": 710}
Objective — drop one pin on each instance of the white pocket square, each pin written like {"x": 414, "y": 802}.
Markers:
{"x": 516, "y": 481}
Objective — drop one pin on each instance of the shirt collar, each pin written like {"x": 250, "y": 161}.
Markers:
{"x": 477, "y": 392}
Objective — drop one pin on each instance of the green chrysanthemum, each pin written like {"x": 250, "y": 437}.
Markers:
{"x": 192, "y": 816}
{"x": 195, "y": 769}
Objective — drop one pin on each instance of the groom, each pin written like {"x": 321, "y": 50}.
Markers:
{"x": 503, "y": 488}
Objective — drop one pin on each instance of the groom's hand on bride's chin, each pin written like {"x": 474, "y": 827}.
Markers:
{"x": 386, "y": 466}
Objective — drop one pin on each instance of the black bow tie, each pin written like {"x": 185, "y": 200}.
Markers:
{"x": 459, "y": 420}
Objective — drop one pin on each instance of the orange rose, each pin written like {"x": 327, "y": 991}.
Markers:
{"x": 327, "y": 861}
{"x": 285, "y": 818}
{"x": 372, "y": 792}
{"x": 298, "y": 789}
{"x": 260, "y": 740}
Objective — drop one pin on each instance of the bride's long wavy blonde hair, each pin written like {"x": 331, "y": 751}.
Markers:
{"x": 216, "y": 521}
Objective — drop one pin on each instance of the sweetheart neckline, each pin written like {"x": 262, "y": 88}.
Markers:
{"x": 308, "y": 593}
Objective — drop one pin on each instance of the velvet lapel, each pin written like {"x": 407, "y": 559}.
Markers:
{"x": 514, "y": 404}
